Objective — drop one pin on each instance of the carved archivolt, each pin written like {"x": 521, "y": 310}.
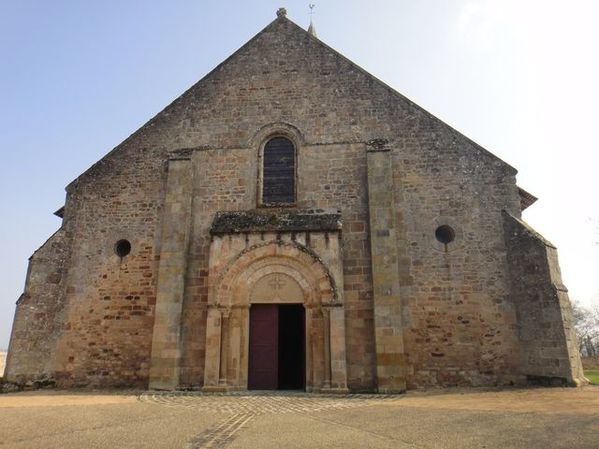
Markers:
{"x": 250, "y": 272}
{"x": 276, "y": 129}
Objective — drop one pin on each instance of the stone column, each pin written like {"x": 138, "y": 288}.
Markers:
{"x": 315, "y": 329}
{"x": 224, "y": 347}
{"x": 213, "y": 349}
{"x": 176, "y": 225}
{"x": 338, "y": 367}
{"x": 390, "y": 356}
{"x": 309, "y": 350}
{"x": 338, "y": 361}
{"x": 243, "y": 346}
{"x": 327, "y": 348}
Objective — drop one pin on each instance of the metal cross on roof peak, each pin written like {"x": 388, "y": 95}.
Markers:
{"x": 311, "y": 28}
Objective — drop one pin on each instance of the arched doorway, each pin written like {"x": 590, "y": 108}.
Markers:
{"x": 288, "y": 280}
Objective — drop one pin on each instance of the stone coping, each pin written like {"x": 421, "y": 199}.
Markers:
{"x": 275, "y": 219}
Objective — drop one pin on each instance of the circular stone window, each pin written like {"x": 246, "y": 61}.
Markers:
{"x": 445, "y": 234}
{"x": 122, "y": 248}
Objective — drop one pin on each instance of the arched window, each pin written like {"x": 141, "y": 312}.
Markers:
{"x": 278, "y": 172}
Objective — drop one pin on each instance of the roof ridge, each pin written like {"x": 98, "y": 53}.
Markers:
{"x": 281, "y": 19}
{"x": 177, "y": 99}
{"x": 528, "y": 228}
{"x": 402, "y": 96}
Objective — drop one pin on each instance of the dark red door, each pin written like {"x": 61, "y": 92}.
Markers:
{"x": 264, "y": 331}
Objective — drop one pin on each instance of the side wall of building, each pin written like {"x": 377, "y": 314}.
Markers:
{"x": 38, "y": 322}
{"x": 459, "y": 320}
{"x": 110, "y": 299}
{"x": 547, "y": 341}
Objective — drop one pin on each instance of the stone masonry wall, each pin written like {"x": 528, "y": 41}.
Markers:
{"x": 38, "y": 317}
{"x": 548, "y": 347}
{"x": 459, "y": 320}
{"x": 110, "y": 300}
{"x": 329, "y": 176}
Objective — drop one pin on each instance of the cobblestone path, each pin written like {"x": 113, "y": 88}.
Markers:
{"x": 239, "y": 408}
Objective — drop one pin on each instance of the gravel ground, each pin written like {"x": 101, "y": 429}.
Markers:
{"x": 461, "y": 419}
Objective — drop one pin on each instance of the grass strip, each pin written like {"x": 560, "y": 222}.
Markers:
{"x": 592, "y": 375}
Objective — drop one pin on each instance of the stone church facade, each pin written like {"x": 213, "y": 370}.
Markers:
{"x": 292, "y": 222}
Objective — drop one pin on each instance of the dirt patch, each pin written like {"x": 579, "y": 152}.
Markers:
{"x": 579, "y": 401}
{"x": 459, "y": 419}
{"x": 56, "y": 399}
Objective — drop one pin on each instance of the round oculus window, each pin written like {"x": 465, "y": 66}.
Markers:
{"x": 122, "y": 248}
{"x": 445, "y": 234}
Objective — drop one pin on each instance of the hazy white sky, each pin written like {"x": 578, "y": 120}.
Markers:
{"x": 519, "y": 77}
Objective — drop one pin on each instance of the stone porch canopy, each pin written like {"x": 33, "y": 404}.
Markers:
{"x": 276, "y": 220}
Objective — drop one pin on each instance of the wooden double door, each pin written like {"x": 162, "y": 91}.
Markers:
{"x": 277, "y": 347}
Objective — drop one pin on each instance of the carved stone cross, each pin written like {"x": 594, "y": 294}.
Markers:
{"x": 277, "y": 283}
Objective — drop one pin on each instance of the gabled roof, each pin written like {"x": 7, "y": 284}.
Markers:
{"x": 526, "y": 199}
{"x": 60, "y": 212}
{"x": 529, "y": 229}
{"x": 283, "y": 19}
{"x": 394, "y": 92}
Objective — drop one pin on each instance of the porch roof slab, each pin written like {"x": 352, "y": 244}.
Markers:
{"x": 275, "y": 220}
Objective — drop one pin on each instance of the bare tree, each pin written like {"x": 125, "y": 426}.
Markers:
{"x": 586, "y": 323}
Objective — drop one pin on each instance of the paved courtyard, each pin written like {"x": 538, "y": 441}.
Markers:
{"x": 535, "y": 418}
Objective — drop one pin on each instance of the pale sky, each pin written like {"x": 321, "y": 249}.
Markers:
{"x": 521, "y": 78}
